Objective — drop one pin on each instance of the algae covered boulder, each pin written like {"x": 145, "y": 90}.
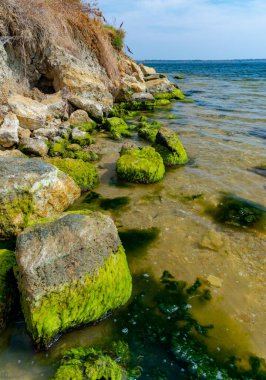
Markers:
{"x": 83, "y": 173}
{"x": 170, "y": 148}
{"x": 90, "y": 364}
{"x": 31, "y": 189}
{"x": 7, "y": 261}
{"x": 140, "y": 165}
{"x": 70, "y": 272}
{"x": 117, "y": 128}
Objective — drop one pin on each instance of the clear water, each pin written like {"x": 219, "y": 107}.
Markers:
{"x": 224, "y": 132}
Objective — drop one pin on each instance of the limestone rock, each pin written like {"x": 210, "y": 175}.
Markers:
{"x": 23, "y": 133}
{"x": 31, "y": 114}
{"x": 12, "y": 153}
{"x": 31, "y": 189}
{"x": 74, "y": 267}
{"x": 79, "y": 117}
{"x": 33, "y": 146}
{"x": 95, "y": 109}
{"x": 154, "y": 76}
{"x": 128, "y": 86}
{"x": 47, "y": 132}
{"x": 161, "y": 85}
{"x": 56, "y": 105}
{"x": 147, "y": 70}
{"x": 9, "y": 131}
{"x": 143, "y": 97}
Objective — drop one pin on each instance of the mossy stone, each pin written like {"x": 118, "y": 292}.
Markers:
{"x": 58, "y": 148}
{"x": 170, "y": 148}
{"x": 140, "y": 165}
{"x": 7, "y": 261}
{"x": 176, "y": 94}
{"x": 117, "y": 128}
{"x": 162, "y": 102}
{"x": 83, "y": 173}
{"x": 148, "y": 131}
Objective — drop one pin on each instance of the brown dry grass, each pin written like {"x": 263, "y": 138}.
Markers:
{"x": 37, "y": 24}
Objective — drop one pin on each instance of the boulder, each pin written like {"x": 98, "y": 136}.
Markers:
{"x": 170, "y": 147}
{"x": 117, "y": 128}
{"x": 79, "y": 117}
{"x": 7, "y": 261}
{"x": 12, "y": 153}
{"x": 31, "y": 114}
{"x": 81, "y": 137}
{"x": 75, "y": 268}
{"x": 9, "y": 131}
{"x": 48, "y": 132}
{"x": 140, "y": 165}
{"x": 162, "y": 85}
{"x": 56, "y": 105}
{"x": 31, "y": 189}
{"x": 128, "y": 86}
{"x": 143, "y": 97}
{"x": 95, "y": 109}
{"x": 34, "y": 146}
{"x": 147, "y": 70}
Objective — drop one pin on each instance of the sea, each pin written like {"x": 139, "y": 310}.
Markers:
{"x": 172, "y": 226}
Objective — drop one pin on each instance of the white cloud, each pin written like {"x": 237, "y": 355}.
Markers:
{"x": 192, "y": 29}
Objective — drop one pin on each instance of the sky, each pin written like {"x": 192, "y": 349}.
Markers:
{"x": 191, "y": 29}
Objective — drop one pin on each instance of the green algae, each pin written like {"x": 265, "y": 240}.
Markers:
{"x": 170, "y": 148}
{"x": 80, "y": 302}
{"x": 86, "y": 127}
{"x": 117, "y": 128}
{"x": 140, "y": 166}
{"x": 136, "y": 241}
{"x": 172, "y": 117}
{"x": 15, "y": 214}
{"x": 7, "y": 261}
{"x": 148, "y": 131}
{"x": 240, "y": 212}
{"x": 58, "y": 148}
{"x": 162, "y": 102}
{"x": 83, "y": 140}
{"x": 83, "y": 173}
{"x": 86, "y": 363}
{"x": 166, "y": 341}
{"x": 176, "y": 94}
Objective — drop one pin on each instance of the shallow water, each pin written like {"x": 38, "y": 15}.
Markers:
{"x": 224, "y": 133}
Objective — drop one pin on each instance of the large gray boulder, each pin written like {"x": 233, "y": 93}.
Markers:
{"x": 31, "y": 189}
{"x": 70, "y": 272}
{"x": 34, "y": 146}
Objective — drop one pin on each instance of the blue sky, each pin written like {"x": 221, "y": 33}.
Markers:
{"x": 191, "y": 29}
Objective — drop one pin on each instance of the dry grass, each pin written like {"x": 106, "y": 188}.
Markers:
{"x": 37, "y": 24}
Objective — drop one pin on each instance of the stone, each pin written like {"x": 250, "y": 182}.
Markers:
{"x": 34, "y": 146}
{"x": 95, "y": 109}
{"x": 74, "y": 267}
{"x": 12, "y": 153}
{"x": 154, "y": 76}
{"x": 170, "y": 147}
{"x": 117, "y": 128}
{"x": 147, "y": 70}
{"x": 7, "y": 288}
{"x": 31, "y": 189}
{"x": 56, "y": 105}
{"x": 140, "y": 165}
{"x": 48, "y": 132}
{"x": 143, "y": 97}
{"x": 129, "y": 85}
{"x": 212, "y": 240}
{"x": 9, "y": 131}
{"x": 79, "y": 117}
{"x": 214, "y": 281}
{"x": 162, "y": 85}
{"x": 23, "y": 133}
{"x": 31, "y": 114}
{"x": 81, "y": 137}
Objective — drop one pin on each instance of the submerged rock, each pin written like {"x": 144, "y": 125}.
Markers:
{"x": 170, "y": 148}
{"x": 9, "y": 131}
{"x": 70, "y": 272}
{"x": 31, "y": 189}
{"x": 7, "y": 261}
{"x": 140, "y": 165}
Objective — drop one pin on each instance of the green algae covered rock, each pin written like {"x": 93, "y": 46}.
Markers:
{"x": 117, "y": 128}
{"x": 148, "y": 131}
{"x": 170, "y": 148}
{"x": 140, "y": 165}
{"x": 83, "y": 173}
{"x": 31, "y": 189}
{"x": 175, "y": 94}
{"x": 70, "y": 272}
{"x": 7, "y": 261}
